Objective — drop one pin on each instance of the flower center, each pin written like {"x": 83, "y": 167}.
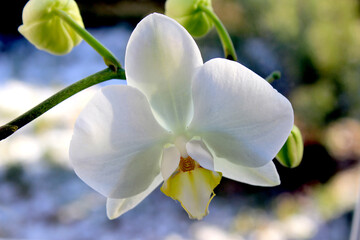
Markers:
{"x": 186, "y": 164}
{"x": 193, "y": 186}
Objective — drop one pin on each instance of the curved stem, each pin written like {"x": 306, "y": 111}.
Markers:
{"x": 14, "y": 125}
{"x": 109, "y": 58}
{"x": 226, "y": 42}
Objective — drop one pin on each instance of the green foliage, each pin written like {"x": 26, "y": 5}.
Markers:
{"x": 319, "y": 44}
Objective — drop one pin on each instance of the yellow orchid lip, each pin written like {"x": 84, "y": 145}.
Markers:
{"x": 193, "y": 186}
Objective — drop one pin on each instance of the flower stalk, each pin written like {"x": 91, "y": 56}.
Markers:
{"x": 101, "y": 76}
{"x": 225, "y": 39}
{"x": 109, "y": 58}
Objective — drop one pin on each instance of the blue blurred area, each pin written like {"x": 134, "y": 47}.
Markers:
{"x": 22, "y": 61}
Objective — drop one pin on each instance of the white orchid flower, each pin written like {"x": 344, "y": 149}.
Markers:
{"x": 179, "y": 121}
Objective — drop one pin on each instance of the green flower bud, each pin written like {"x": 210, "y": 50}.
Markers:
{"x": 291, "y": 153}
{"x": 46, "y": 30}
{"x": 188, "y": 14}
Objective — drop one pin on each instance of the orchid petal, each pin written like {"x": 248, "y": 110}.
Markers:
{"x": 170, "y": 161}
{"x": 239, "y": 115}
{"x": 266, "y": 176}
{"x": 117, "y": 143}
{"x": 193, "y": 189}
{"x": 200, "y": 153}
{"x": 116, "y": 207}
{"x": 160, "y": 60}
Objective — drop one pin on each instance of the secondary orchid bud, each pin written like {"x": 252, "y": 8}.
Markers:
{"x": 46, "y": 30}
{"x": 188, "y": 14}
{"x": 291, "y": 153}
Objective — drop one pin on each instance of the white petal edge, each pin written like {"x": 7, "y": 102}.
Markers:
{"x": 161, "y": 58}
{"x": 117, "y": 144}
{"x": 200, "y": 153}
{"x": 239, "y": 115}
{"x": 265, "y": 176}
{"x": 116, "y": 207}
{"x": 169, "y": 162}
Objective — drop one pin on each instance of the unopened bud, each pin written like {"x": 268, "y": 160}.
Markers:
{"x": 46, "y": 30}
{"x": 188, "y": 14}
{"x": 291, "y": 153}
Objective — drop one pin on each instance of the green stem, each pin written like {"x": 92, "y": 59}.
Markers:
{"x": 109, "y": 58}
{"x": 275, "y": 75}
{"x": 226, "y": 42}
{"x": 14, "y": 125}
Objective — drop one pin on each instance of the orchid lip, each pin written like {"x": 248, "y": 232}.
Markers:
{"x": 193, "y": 186}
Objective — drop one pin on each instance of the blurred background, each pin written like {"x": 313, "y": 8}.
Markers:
{"x": 316, "y": 46}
